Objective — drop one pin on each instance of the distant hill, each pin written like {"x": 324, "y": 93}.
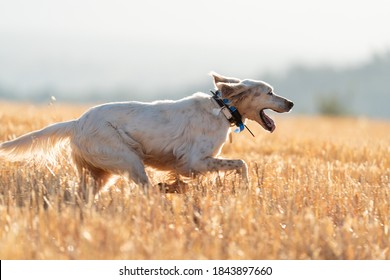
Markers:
{"x": 359, "y": 90}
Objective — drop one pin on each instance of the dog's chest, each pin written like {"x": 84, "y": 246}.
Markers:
{"x": 170, "y": 154}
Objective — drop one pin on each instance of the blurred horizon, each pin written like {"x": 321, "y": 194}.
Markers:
{"x": 313, "y": 52}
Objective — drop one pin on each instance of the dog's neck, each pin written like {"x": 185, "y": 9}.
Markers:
{"x": 230, "y": 112}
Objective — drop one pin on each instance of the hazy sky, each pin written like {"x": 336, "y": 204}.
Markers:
{"x": 146, "y": 45}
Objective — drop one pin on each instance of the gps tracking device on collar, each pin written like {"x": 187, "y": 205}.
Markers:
{"x": 230, "y": 112}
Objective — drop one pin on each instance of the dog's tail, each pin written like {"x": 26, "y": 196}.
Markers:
{"x": 40, "y": 146}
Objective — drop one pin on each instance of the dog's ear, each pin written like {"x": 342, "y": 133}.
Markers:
{"x": 219, "y": 78}
{"x": 229, "y": 90}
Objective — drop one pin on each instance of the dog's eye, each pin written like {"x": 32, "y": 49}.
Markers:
{"x": 270, "y": 93}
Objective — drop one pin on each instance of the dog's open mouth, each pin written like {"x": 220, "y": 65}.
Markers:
{"x": 266, "y": 121}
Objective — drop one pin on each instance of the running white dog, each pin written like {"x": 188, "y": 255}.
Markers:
{"x": 183, "y": 137}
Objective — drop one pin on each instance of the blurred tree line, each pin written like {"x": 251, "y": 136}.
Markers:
{"x": 356, "y": 90}
{"x": 362, "y": 89}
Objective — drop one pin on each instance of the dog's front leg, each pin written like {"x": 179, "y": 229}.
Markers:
{"x": 216, "y": 164}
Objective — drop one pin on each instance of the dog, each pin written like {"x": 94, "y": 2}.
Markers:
{"x": 183, "y": 137}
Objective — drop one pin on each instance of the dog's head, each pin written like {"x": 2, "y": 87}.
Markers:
{"x": 251, "y": 99}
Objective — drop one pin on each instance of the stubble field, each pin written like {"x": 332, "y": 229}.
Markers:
{"x": 319, "y": 189}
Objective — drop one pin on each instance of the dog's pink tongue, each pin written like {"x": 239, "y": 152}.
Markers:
{"x": 270, "y": 123}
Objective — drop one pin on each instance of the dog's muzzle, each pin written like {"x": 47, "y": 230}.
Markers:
{"x": 290, "y": 104}
{"x": 266, "y": 122}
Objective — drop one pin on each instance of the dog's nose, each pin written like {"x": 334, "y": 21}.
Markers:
{"x": 290, "y": 104}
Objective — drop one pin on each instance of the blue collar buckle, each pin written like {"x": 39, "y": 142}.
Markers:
{"x": 230, "y": 112}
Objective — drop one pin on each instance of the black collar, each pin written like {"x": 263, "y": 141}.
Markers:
{"x": 230, "y": 112}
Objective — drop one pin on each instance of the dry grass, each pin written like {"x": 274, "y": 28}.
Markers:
{"x": 320, "y": 189}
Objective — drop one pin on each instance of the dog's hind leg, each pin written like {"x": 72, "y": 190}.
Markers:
{"x": 135, "y": 168}
{"x": 100, "y": 177}
{"x": 127, "y": 162}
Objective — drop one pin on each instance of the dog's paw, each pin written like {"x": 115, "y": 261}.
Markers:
{"x": 178, "y": 187}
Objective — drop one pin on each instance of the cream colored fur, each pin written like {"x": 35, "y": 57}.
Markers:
{"x": 184, "y": 137}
